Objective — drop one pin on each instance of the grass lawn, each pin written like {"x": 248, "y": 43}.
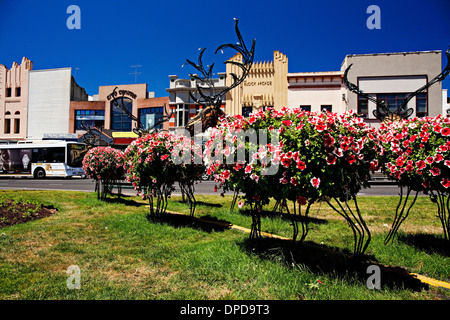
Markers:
{"x": 121, "y": 255}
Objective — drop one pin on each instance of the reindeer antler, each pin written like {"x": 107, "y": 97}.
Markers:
{"x": 206, "y": 78}
{"x": 214, "y": 100}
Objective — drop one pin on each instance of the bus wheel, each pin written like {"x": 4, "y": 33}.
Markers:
{"x": 39, "y": 173}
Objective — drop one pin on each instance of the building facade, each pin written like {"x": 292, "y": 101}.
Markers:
{"x": 265, "y": 86}
{"x": 183, "y": 97}
{"x": 391, "y": 77}
{"x": 14, "y": 100}
{"x": 317, "y": 91}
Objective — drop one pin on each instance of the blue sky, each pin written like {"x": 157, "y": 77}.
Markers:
{"x": 161, "y": 35}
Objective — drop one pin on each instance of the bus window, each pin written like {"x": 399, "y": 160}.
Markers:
{"x": 75, "y": 155}
{"x": 49, "y": 155}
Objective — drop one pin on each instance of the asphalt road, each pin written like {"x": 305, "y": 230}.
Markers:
{"x": 87, "y": 185}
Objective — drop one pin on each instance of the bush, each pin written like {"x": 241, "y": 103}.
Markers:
{"x": 309, "y": 157}
{"x": 102, "y": 164}
{"x": 416, "y": 154}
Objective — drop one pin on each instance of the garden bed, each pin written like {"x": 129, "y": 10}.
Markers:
{"x": 14, "y": 212}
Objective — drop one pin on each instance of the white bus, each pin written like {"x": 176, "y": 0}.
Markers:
{"x": 40, "y": 159}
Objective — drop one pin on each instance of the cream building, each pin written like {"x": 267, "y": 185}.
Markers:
{"x": 316, "y": 91}
{"x": 14, "y": 100}
{"x": 265, "y": 86}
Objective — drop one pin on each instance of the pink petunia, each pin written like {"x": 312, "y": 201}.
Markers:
{"x": 445, "y": 131}
{"x": 248, "y": 169}
{"x": 421, "y": 164}
{"x": 435, "y": 171}
{"x": 445, "y": 183}
{"x": 351, "y": 158}
{"x": 301, "y": 165}
{"x": 315, "y": 182}
{"x": 331, "y": 159}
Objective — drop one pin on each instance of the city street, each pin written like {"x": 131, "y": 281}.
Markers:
{"x": 202, "y": 187}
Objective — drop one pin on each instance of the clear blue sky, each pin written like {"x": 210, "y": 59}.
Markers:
{"x": 159, "y": 35}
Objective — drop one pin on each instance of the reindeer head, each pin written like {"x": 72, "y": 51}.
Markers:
{"x": 210, "y": 115}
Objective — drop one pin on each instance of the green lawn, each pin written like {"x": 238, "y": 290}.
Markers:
{"x": 121, "y": 255}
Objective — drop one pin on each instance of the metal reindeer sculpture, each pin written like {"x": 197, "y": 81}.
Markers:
{"x": 382, "y": 111}
{"x": 210, "y": 115}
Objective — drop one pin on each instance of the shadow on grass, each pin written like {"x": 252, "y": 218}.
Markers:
{"x": 204, "y": 204}
{"x": 428, "y": 243}
{"x": 126, "y": 200}
{"x": 285, "y": 216}
{"x": 321, "y": 259}
{"x": 206, "y": 223}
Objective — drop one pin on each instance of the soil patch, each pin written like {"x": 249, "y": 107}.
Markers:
{"x": 15, "y": 212}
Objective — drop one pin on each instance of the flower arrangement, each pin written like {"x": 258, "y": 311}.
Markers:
{"x": 153, "y": 163}
{"x": 309, "y": 157}
{"x": 416, "y": 154}
{"x": 102, "y": 164}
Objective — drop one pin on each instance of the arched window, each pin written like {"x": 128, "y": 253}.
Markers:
{"x": 120, "y": 121}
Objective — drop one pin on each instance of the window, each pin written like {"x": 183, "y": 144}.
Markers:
{"x": 421, "y": 105}
{"x": 16, "y": 126}
{"x": 120, "y": 121}
{"x": 246, "y": 111}
{"x": 305, "y": 108}
{"x": 89, "y": 118}
{"x": 7, "y": 125}
{"x": 148, "y": 117}
{"x": 18, "y": 92}
{"x": 182, "y": 115}
{"x": 363, "y": 107}
{"x": 326, "y": 107}
{"x": 49, "y": 155}
{"x": 8, "y": 92}
{"x": 392, "y": 100}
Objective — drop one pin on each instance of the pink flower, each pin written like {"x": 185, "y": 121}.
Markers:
{"x": 445, "y": 131}
{"x": 294, "y": 182}
{"x": 248, "y": 169}
{"x": 226, "y": 174}
{"x": 301, "y": 165}
{"x": 437, "y": 128}
{"x": 164, "y": 157}
{"x": 331, "y": 159}
{"x": 283, "y": 180}
{"x": 240, "y": 204}
{"x": 320, "y": 127}
{"x": 435, "y": 171}
{"x": 445, "y": 183}
{"x": 438, "y": 158}
{"x": 421, "y": 164}
{"x": 315, "y": 182}
{"x": 430, "y": 160}
{"x": 351, "y": 158}
{"x": 447, "y": 163}
{"x": 426, "y": 184}
{"x": 287, "y": 123}
{"x": 301, "y": 200}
